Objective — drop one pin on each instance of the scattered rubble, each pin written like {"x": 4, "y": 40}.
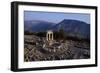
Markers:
{"x": 38, "y": 49}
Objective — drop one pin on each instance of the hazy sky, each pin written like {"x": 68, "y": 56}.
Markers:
{"x": 55, "y": 17}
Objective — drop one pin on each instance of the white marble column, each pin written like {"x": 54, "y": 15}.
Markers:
{"x": 49, "y": 36}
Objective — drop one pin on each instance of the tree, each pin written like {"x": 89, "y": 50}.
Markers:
{"x": 61, "y": 33}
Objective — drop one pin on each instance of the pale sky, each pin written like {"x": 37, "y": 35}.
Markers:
{"x": 55, "y": 17}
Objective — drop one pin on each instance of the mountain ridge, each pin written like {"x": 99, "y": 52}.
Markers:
{"x": 74, "y": 27}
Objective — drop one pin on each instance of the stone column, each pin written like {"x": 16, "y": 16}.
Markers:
{"x": 52, "y": 36}
{"x": 49, "y": 36}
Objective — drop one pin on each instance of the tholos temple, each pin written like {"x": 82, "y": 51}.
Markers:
{"x": 49, "y": 37}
